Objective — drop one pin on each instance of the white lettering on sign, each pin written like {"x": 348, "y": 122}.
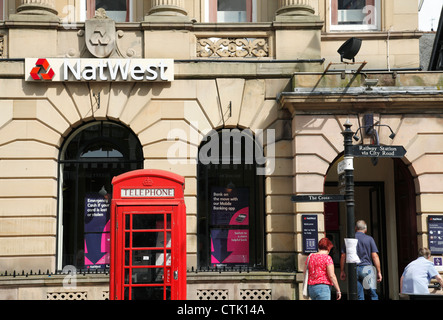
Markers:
{"x": 115, "y": 70}
{"x": 147, "y": 193}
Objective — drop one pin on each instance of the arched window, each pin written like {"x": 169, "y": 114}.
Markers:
{"x": 89, "y": 159}
{"x": 230, "y": 201}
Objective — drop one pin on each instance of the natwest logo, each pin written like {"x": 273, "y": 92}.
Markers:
{"x": 42, "y": 71}
{"x": 115, "y": 70}
{"x": 100, "y": 70}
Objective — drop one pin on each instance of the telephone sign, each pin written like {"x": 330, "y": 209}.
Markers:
{"x": 148, "y": 237}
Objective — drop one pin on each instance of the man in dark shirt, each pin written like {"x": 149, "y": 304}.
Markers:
{"x": 368, "y": 253}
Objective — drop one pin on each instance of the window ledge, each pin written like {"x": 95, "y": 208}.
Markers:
{"x": 371, "y": 35}
{"x": 253, "y": 276}
{"x": 53, "y": 280}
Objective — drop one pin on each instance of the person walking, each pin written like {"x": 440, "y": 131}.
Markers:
{"x": 321, "y": 274}
{"x": 368, "y": 270}
{"x": 418, "y": 274}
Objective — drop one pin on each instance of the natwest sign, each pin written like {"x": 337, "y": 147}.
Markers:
{"x": 115, "y": 70}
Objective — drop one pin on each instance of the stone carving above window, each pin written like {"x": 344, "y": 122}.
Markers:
{"x": 232, "y": 47}
{"x": 100, "y": 35}
{"x": 102, "y": 40}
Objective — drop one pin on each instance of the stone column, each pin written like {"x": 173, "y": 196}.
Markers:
{"x": 36, "y": 24}
{"x": 290, "y": 9}
{"x": 40, "y": 10}
{"x": 167, "y": 10}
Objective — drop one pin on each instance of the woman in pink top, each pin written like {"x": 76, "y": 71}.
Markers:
{"x": 321, "y": 273}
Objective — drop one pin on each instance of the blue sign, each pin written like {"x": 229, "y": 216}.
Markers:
{"x": 319, "y": 198}
{"x": 310, "y": 233}
{"x": 435, "y": 227}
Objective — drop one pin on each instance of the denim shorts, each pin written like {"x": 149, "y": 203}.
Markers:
{"x": 319, "y": 292}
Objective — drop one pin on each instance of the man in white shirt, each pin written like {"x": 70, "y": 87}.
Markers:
{"x": 418, "y": 274}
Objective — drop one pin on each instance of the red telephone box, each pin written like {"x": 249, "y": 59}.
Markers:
{"x": 148, "y": 237}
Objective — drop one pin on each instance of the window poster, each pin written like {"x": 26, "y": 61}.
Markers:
{"x": 229, "y": 206}
{"x": 97, "y": 236}
{"x": 229, "y": 246}
{"x": 229, "y": 217}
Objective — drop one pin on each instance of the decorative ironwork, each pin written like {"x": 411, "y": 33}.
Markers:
{"x": 74, "y": 295}
{"x": 232, "y": 47}
{"x": 256, "y": 294}
{"x": 212, "y": 294}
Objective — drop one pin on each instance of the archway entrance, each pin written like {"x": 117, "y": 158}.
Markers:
{"x": 89, "y": 159}
{"x": 385, "y": 199}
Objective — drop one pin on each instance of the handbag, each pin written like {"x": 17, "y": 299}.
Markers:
{"x": 305, "y": 281}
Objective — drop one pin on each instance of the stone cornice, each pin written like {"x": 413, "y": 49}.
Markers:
{"x": 350, "y": 93}
{"x": 412, "y": 100}
{"x": 172, "y": 25}
{"x": 373, "y": 35}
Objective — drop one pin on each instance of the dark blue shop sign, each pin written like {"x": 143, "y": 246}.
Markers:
{"x": 310, "y": 233}
{"x": 377, "y": 151}
{"x": 435, "y": 229}
{"x": 319, "y": 198}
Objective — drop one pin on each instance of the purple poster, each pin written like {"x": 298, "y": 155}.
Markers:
{"x": 97, "y": 230}
{"x": 229, "y": 209}
{"x": 230, "y": 246}
{"x": 229, "y": 206}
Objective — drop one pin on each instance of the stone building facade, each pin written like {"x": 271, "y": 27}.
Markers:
{"x": 269, "y": 69}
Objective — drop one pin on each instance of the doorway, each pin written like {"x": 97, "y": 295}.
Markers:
{"x": 370, "y": 207}
{"x": 385, "y": 199}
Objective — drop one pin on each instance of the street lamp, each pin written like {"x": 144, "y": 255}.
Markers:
{"x": 350, "y": 207}
{"x": 370, "y": 130}
{"x": 391, "y": 136}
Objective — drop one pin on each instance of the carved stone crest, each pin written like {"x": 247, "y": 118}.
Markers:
{"x": 100, "y": 35}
